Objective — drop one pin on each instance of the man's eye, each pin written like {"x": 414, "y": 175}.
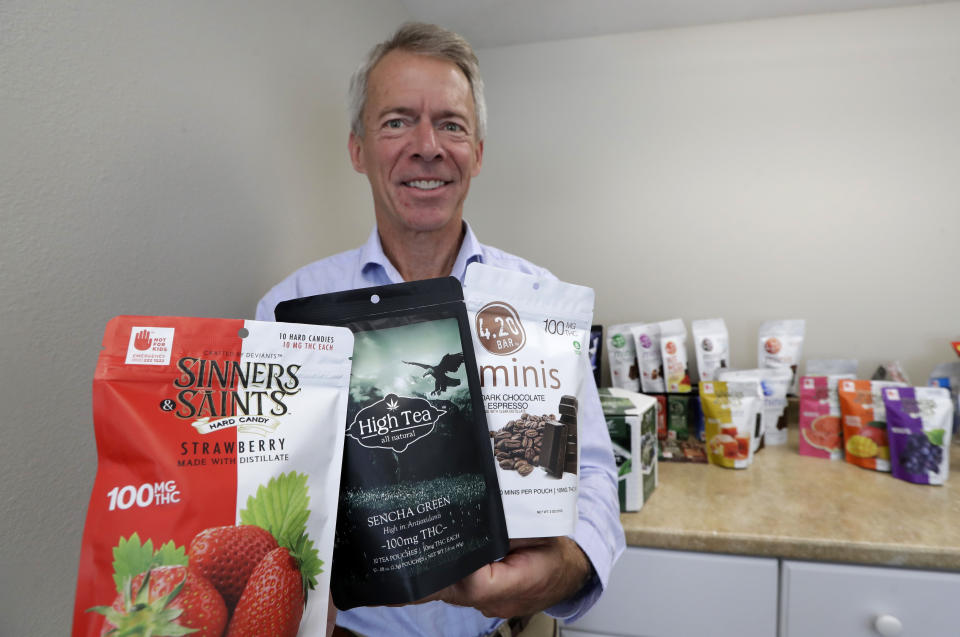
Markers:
{"x": 394, "y": 123}
{"x": 453, "y": 127}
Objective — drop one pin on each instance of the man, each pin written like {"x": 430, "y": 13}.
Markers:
{"x": 417, "y": 129}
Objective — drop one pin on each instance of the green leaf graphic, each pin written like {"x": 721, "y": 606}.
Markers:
{"x": 935, "y": 436}
{"x": 130, "y": 558}
{"x": 310, "y": 562}
{"x": 170, "y": 555}
{"x": 281, "y": 508}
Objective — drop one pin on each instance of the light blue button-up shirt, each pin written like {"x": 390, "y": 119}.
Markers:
{"x": 598, "y": 531}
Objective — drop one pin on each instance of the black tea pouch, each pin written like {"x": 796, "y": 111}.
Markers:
{"x": 420, "y": 505}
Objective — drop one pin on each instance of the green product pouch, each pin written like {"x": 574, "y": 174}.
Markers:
{"x": 678, "y": 416}
{"x": 420, "y": 504}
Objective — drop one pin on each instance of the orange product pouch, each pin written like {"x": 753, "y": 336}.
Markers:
{"x": 864, "y": 421}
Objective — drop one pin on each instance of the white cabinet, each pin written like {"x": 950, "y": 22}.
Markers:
{"x": 833, "y": 600}
{"x": 657, "y": 593}
{"x": 661, "y": 593}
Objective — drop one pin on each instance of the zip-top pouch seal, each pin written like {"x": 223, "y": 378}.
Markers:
{"x": 919, "y": 424}
{"x": 731, "y": 412}
{"x": 864, "y": 419}
{"x": 419, "y": 500}
{"x": 530, "y": 335}
{"x": 219, "y": 447}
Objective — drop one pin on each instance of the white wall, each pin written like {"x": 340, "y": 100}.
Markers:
{"x": 792, "y": 168}
{"x": 155, "y": 158}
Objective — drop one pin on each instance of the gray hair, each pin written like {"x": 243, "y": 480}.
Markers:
{"x": 424, "y": 39}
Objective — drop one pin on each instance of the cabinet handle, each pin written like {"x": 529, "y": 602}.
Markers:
{"x": 888, "y": 625}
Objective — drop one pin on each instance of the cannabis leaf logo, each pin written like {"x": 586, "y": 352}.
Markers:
{"x": 393, "y": 404}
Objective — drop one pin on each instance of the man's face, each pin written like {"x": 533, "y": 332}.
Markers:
{"x": 419, "y": 149}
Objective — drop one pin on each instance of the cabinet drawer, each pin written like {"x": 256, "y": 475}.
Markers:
{"x": 658, "y": 593}
{"x": 830, "y": 600}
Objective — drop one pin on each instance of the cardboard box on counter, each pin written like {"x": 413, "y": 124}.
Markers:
{"x": 632, "y": 422}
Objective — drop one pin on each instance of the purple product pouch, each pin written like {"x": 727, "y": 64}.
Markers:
{"x": 919, "y": 424}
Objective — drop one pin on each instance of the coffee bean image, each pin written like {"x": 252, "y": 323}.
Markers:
{"x": 517, "y": 446}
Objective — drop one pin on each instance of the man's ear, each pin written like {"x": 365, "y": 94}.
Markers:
{"x": 479, "y": 159}
{"x": 355, "y": 146}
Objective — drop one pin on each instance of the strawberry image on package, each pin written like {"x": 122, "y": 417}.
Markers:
{"x": 219, "y": 446}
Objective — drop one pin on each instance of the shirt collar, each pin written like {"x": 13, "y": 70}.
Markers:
{"x": 470, "y": 251}
{"x": 372, "y": 255}
{"x": 372, "y": 258}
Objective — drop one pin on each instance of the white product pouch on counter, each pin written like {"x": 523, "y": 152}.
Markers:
{"x": 622, "y": 357}
{"x": 948, "y": 375}
{"x": 780, "y": 344}
{"x": 646, "y": 338}
{"x": 531, "y": 336}
{"x": 673, "y": 351}
{"x": 711, "y": 341}
{"x": 730, "y": 411}
{"x": 832, "y": 366}
{"x": 774, "y": 382}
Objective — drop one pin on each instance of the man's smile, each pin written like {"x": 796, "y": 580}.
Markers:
{"x": 425, "y": 184}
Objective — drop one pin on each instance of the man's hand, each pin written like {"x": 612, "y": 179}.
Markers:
{"x": 535, "y": 574}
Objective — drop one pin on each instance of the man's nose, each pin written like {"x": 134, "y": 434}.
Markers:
{"x": 426, "y": 142}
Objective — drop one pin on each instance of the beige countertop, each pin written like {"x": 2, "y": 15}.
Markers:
{"x": 796, "y": 507}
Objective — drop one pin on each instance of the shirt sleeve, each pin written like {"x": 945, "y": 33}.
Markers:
{"x": 598, "y": 532}
{"x": 262, "y": 313}
{"x": 282, "y": 291}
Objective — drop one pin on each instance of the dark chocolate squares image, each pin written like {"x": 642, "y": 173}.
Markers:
{"x": 568, "y": 416}
{"x": 539, "y": 441}
{"x": 560, "y": 441}
{"x": 553, "y": 457}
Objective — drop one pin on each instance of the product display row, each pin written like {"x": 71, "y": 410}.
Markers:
{"x": 652, "y": 357}
{"x": 881, "y": 425}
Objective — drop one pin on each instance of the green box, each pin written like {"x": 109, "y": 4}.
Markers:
{"x": 632, "y": 423}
